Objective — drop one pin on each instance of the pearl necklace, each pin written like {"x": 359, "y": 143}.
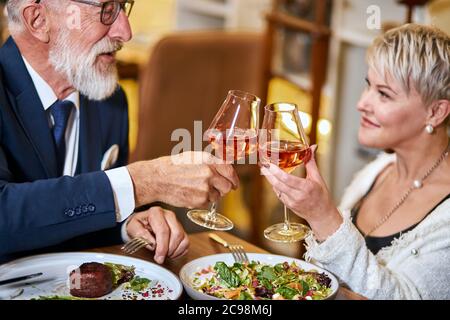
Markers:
{"x": 417, "y": 184}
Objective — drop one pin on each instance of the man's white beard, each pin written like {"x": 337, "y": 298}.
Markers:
{"x": 93, "y": 81}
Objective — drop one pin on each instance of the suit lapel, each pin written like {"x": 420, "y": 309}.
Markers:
{"x": 90, "y": 144}
{"x": 28, "y": 107}
{"x": 35, "y": 123}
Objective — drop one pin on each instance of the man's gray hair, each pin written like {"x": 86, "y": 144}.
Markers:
{"x": 14, "y": 9}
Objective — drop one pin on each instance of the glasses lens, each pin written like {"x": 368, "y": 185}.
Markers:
{"x": 127, "y": 6}
{"x": 110, "y": 12}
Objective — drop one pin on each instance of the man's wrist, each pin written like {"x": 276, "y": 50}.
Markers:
{"x": 144, "y": 191}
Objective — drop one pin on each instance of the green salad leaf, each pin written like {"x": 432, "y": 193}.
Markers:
{"x": 139, "y": 284}
{"x": 245, "y": 296}
{"x": 120, "y": 273}
{"x": 267, "y": 272}
{"x": 227, "y": 274}
{"x": 265, "y": 282}
{"x": 279, "y": 268}
{"x": 305, "y": 287}
{"x": 287, "y": 292}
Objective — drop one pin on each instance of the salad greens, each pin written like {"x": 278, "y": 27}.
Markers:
{"x": 125, "y": 274}
{"x": 257, "y": 281}
{"x": 227, "y": 274}
{"x": 138, "y": 284}
{"x": 120, "y": 273}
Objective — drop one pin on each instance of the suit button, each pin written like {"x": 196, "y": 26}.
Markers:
{"x": 70, "y": 213}
{"x": 84, "y": 209}
{"x": 78, "y": 211}
{"x": 91, "y": 208}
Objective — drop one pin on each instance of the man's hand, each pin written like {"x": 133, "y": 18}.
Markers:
{"x": 190, "y": 179}
{"x": 161, "y": 227}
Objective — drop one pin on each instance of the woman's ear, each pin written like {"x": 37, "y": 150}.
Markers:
{"x": 35, "y": 20}
{"x": 439, "y": 112}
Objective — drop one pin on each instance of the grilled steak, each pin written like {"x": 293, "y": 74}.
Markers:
{"x": 91, "y": 280}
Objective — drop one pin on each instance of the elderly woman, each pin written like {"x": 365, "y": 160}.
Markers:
{"x": 390, "y": 236}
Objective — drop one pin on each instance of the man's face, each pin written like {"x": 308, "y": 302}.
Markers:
{"x": 84, "y": 49}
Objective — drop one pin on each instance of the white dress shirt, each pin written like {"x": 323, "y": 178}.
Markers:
{"x": 119, "y": 178}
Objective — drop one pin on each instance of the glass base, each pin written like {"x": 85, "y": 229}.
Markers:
{"x": 279, "y": 233}
{"x": 202, "y": 218}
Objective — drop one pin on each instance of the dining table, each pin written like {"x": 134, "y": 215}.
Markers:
{"x": 201, "y": 245}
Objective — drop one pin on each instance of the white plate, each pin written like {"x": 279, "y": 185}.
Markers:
{"x": 187, "y": 273}
{"x": 57, "y": 267}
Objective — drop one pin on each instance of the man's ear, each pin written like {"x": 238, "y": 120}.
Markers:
{"x": 439, "y": 112}
{"x": 36, "y": 21}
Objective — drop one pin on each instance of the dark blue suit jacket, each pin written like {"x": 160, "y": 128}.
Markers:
{"x": 38, "y": 209}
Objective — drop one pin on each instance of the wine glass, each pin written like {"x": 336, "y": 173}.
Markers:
{"x": 282, "y": 141}
{"x": 233, "y": 136}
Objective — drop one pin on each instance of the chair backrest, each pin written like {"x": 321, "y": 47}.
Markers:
{"x": 187, "y": 79}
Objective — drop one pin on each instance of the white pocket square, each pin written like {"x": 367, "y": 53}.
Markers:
{"x": 110, "y": 157}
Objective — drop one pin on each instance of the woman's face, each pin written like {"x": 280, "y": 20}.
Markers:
{"x": 389, "y": 117}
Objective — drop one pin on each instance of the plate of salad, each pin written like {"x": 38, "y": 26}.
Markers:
{"x": 265, "y": 277}
{"x": 121, "y": 278}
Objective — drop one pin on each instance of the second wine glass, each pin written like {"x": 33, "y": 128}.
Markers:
{"x": 233, "y": 136}
{"x": 283, "y": 142}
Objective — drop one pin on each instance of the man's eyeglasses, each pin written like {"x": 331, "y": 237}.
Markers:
{"x": 109, "y": 9}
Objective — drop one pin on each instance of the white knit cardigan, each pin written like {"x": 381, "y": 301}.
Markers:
{"x": 414, "y": 266}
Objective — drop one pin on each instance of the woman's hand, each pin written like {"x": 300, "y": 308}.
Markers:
{"x": 161, "y": 227}
{"x": 309, "y": 198}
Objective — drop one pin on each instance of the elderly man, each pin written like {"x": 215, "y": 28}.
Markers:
{"x": 64, "y": 182}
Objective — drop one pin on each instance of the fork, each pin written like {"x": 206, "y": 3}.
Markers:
{"x": 236, "y": 250}
{"x": 136, "y": 244}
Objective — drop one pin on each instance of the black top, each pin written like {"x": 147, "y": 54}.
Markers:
{"x": 374, "y": 244}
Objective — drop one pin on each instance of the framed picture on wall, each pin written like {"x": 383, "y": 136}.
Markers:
{"x": 304, "y": 9}
{"x": 295, "y": 47}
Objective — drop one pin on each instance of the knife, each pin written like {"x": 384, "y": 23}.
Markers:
{"x": 17, "y": 279}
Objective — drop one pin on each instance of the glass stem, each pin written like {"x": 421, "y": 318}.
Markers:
{"x": 212, "y": 212}
{"x": 287, "y": 224}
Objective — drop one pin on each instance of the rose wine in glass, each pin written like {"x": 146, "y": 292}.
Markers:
{"x": 283, "y": 142}
{"x": 289, "y": 155}
{"x": 233, "y": 145}
{"x": 233, "y": 136}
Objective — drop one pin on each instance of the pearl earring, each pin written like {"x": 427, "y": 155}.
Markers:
{"x": 429, "y": 128}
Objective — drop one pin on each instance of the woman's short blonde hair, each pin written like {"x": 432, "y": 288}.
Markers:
{"x": 416, "y": 56}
